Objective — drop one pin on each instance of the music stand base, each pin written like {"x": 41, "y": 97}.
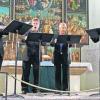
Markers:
{"x": 13, "y": 96}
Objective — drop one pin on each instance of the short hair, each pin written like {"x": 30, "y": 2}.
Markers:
{"x": 36, "y": 19}
{"x": 62, "y": 24}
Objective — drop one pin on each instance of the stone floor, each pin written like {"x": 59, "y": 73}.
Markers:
{"x": 53, "y": 96}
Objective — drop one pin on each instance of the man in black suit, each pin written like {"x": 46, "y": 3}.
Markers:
{"x": 61, "y": 61}
{"x": 31, "y": 57}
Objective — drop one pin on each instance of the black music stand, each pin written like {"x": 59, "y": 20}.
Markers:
{"x": 34, "y": 37}
{"x": 21, "y": 28}
{"x": 17, "y": 27}
{"x": 46, "y": 38}
{"x": 70, "y": 39}
{"x": 94, "y": 34}
{"x": 39, "y": 39}
{"x": 95, "y": 37}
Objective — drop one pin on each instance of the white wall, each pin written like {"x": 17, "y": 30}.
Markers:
{"x": 91, "y": 52}
{"x": 94, "y": 15}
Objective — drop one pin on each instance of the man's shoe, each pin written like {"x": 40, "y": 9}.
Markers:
{"x": 35, "y": 91}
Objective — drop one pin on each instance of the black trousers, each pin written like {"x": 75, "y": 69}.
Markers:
{"x": 26, "y": 72}
{"x": 61, "y": 72}
{"x": 61, "y": 77}
{"x": 1, "y": 60}
{"x": 1, "y": 54}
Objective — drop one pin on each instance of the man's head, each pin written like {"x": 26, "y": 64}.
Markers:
{"x": 62, "y": 28}
{"x": 36, "y": 24}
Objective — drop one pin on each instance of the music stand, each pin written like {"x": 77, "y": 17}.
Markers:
{"x": 46, "y": 38}
{"x": 34, "y": 37}
{"x": 17, "y": 27}
{"x": 95, "y": 37}
{"x": 21, "y": 28}
{"x": 39, "y": 39}
{"x": 70, "y": 39}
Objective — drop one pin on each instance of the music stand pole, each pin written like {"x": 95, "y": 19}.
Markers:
{"x": 16, "y": 58}
{"x": 69, "y": 61}
{"x": 19, "y": 28}
{"x": 39, "y": 64}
